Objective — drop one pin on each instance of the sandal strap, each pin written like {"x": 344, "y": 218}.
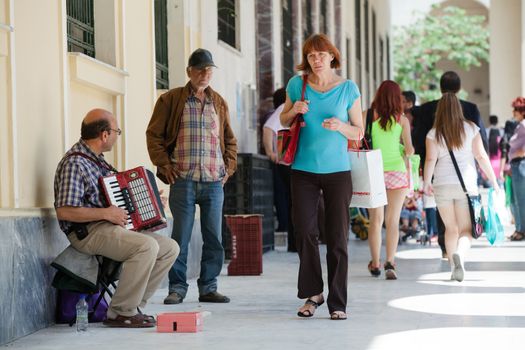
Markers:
{"x": 312, "y": 302}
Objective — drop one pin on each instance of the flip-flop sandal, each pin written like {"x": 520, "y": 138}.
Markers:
{"x": 136, "y": 321}
{"x": 308, "y": 313}
{"x": 517, "y": 236}
{"x": 338, "y": 316}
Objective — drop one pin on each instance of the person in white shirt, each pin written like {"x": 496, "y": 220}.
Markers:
{"x": 281, "y": 173}
{"x": 452, "y": 131}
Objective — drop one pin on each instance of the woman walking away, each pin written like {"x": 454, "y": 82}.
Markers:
{"x": 494, "y": 135}
{"x": 332, "y": 116}
{"x": 389, "y": 127}
{"x": 451, "y": 131}
{"x": 517, "y": 169}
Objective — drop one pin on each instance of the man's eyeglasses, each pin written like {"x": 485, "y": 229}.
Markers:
{"x": 118, "y": 131}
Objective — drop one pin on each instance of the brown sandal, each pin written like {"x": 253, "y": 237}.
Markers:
{"x": 338, "y": 316}
{"x": 136, "y": 321}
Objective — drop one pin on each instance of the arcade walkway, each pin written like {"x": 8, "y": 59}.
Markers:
{"x": 421, "y": 310}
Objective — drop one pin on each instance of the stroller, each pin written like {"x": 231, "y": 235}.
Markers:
{"x": 359, "y": 222}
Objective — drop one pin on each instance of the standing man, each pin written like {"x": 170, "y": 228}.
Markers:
{"x": 424, "y": 120}
{"x": 191, "y": 142}
{"x": 96, "y": 230}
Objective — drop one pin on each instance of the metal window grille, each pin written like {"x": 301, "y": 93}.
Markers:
{"x": 324, "y": 20}
{"x": 227, "y": 22}
{"x": 307, "y": 19}
{"x": 387, "y": 57}
{"x": 367, "y": 39}
{"x": 382, "y": 59}
{"x": 161, "y": 44}
{"x": 374, "y": 46}
{"x": 80, "y": 27}
{"x": 288, "y": 70}
{"x": 358, "y": 31}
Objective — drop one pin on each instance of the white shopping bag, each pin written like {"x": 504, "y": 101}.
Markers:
{"x": 368, "y": 180}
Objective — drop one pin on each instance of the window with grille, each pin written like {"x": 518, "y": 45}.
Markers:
{"x": 381, "y": 59}
{"x": 387, "y": 57}
{"x": 161, "y": 44}
{"x": 307, "y": 19}
{"x": 358, "y": 42}
{"x": 288, "y": 70}
{"x": 358, "y": 30}
{"x": 80, "y": 27}
{"x": 323, "y": 19}
{"x": 367, "y": 39}
{"x": 374, "y": 47}
{"x": 227, "y": 19}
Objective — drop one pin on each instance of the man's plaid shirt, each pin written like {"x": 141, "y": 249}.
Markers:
{"x": 197, "y": 155}
{"x": 76, "y": 180}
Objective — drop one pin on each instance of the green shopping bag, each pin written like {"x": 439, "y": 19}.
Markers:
{"x": 414, "y": 161}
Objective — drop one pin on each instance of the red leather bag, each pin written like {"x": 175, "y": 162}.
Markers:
{"x": 287, "y": 139}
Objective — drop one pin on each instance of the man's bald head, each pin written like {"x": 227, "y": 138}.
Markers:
{"x": 96, "y": 121}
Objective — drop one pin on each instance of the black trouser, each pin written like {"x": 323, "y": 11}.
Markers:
{"x": 280, "y": 199}
{"x": 337, "y": 192}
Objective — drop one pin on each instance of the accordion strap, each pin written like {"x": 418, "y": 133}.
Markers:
{"x": 93, "y": 160}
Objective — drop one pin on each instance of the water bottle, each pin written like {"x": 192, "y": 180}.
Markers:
{"x": 82, "y": 314}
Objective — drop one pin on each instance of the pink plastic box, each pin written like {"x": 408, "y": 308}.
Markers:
{"x": 179, "y": 322}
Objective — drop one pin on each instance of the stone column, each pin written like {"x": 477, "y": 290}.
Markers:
{"x": 507, "y": 71}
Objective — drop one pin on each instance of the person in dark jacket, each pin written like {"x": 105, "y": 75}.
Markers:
{"x": 424, "y": 117}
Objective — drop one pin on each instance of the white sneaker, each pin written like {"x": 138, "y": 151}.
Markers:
{"x": 459, "y": 271}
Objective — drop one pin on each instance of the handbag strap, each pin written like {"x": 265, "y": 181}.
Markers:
{"x": 458, "y": 172}
{"x": 299, "y": 117}
{"x": 305, "y": 81}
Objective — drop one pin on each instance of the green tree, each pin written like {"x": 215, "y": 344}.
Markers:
{"x": 451, "y": 35}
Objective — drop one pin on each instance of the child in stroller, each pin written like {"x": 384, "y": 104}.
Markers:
{"x": 412, "y": 216}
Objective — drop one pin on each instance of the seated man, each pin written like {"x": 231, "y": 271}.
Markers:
{"x": 96, "y": 230}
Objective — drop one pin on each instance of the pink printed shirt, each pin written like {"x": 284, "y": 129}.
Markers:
{"x": 197, "y": 155}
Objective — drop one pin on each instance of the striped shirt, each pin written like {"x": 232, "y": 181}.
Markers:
{"x": 76, "y": 180}
{"x": 197, "y": 155}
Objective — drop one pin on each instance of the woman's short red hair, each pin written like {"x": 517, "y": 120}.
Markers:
{"x": 519, "y": 104}
{"x": 387, "y": 103}
{"x": 319, "y": 42}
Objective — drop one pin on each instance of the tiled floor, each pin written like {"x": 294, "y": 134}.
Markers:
{"x": 421, "y": 310}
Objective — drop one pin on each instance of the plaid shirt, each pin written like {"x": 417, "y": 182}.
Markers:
{"x": 76, "y": 180}
{"x": 197, "y": 155}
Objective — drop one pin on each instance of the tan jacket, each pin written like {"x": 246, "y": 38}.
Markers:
{"x": 163, "y": 128}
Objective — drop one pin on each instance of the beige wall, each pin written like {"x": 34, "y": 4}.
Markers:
{"x": 6, "y": 106}
{"x": 52, "y": 90}
{"x": 46, "y": 91}
{"x": 506, "y": 58}
{"x": 37, "y": 138}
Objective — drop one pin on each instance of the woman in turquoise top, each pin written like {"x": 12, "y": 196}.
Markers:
{"x": 332, "y": 115}
{"x": 389, "y": 127}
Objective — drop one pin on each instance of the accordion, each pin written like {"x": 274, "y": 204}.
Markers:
{"x": 136, "y": 191}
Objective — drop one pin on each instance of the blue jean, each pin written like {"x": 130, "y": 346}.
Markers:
{"x": 431, "y": 218}
{"x": 184, "y": 196}
{"x": 518, "y": 194}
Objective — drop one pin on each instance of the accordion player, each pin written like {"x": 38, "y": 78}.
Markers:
{"x": 136, "y": 191}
